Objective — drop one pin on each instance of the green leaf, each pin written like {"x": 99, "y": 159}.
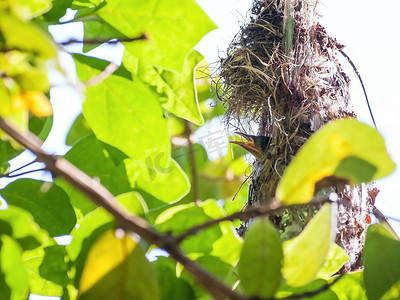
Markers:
{"x": 27, "y": 37}
{"x": 91, "y": 156}
{"x": 7, "y": 152}
{"x": 96, "y": 29}
{"x": 134, "y": 203}
{"x": 12, "y": 270}
{"x": 27, "y": 9}
{"x": 287, "y": 291}
{"x": 181, "y": 155}
{"x": 180, "y": 218}
{"x": 19, "y": 224}
{"x": 90, "y": 228}
{"x": 305, "y": 254}
{"x": 172, "y": 183}
{"x": 118, "y": 110}
{"x": 80, "y": 202}
{"x": 226, "y": 247}
{"x": 344, "y": 151}
{"x": 176, "y": 91}
{"x": 259, "y": 267}
{"x": 57, "y": 11}
{"x": 40, "y": 126}
{"x": 350, "y": 287}
{"x": 171, "y": 287}
{"x": 382, "y": 263}
{"x": 79, "y": 129}
{"x": 54, "y": 267}
{"x": 218, "y": 268}
{"x": 48, "y": 204}
{"x": 167, "y": 24}
{"x": 116, "y": 268}
{"x": 32, "y": 261}
{"x": 334, "y": 261}
{"x": 88, "y": 67}
{"x": 78, "y": 4}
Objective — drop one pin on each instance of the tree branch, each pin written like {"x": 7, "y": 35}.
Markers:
{"x": 308, "y": 294}
{"x": 245, "y": 214}
{"x": 99, "y": 41}
{"x": 102, "y": 197}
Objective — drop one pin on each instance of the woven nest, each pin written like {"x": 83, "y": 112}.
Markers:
{"x": 290, "y": 82}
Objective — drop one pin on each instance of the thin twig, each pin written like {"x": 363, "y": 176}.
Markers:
{"x": 23, "y": 173}
{"x": 102, "y": 197}
{"x": 22, "y": 167}
{"x": 308, "y": 294}
{"x": 382, "y": 219}
{"x": 192, "y": 161}
{"x": 103, "y": 41}
{"x": 362, "y": 85}
{"x": 109, "y": 70}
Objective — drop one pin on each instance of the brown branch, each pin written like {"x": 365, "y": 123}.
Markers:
{"x": 192, "y": 161}
{"x": 308, "y": 294}
{"x": 109, "y": 70}
{"x": 245, "y": 214}
{"x": 102, "y": 197}
{"x": 102, "y": 41}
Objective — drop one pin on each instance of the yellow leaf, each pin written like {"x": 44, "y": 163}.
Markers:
{"x": 106, "y": 254}
{"x": 116, "y": 268}
{"x": 18, "y": 103}
{"x": 35, "y": 101}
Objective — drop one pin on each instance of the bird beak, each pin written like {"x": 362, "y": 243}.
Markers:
{"x": 249, "y": 145}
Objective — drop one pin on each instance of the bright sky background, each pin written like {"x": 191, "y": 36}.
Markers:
{"x": 367, "y": 28}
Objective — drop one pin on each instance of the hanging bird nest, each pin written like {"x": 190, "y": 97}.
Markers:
{"x": 281, "y": 71}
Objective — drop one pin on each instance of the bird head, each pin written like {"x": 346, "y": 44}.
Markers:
{"x": 255, "y": 144}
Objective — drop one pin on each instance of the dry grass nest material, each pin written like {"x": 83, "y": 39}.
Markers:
{"x": 289, "y": 96}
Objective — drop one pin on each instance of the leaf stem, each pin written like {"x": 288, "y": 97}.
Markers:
{"x": 192, "y": 161}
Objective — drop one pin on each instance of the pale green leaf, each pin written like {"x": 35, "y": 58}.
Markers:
{"x": 259, "y": 267}
{"x": 90, "y": 228}
{"x": 32, "y": 261}
{"x": 19, "y": 224}
{"x": 172, "y": 183}
{"x": 88, "y": 225}
{"x": 134, "y": 203}
{"x": 305, "y": 254}
{"x": 382, "y": 263}
{"x": 350, "y": 287}
{"x": 116, "y": 268}
{"x": 173, "y": 28}
{"x": 27, "y": 37}
{"x": 28, "y": 9}
{"x": 126, "y": 115}
{"x": 12, "y": 273}
{"x": 334, "y": 261}
{"x": 226, "y": 247}
{"x": 176, "y": 91}
{"x": 180, "y": 218}
{"x": 345, "y": 151}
